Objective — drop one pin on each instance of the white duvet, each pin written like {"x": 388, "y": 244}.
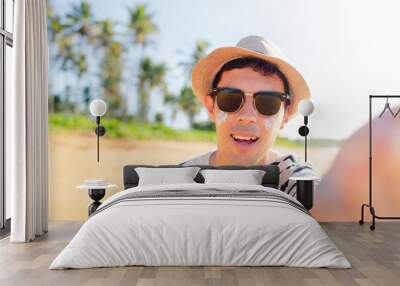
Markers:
{"x": 183, "y": 231}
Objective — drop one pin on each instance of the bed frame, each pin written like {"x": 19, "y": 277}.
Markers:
{"x": 270, "y": 179}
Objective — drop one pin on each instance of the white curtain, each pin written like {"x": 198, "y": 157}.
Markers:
{"x": 26, "y": 123}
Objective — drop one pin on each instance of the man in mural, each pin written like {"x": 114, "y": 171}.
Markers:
{"x": 250, "y": 93}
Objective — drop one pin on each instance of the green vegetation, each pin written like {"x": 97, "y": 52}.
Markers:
{"x": 133, "y": 129}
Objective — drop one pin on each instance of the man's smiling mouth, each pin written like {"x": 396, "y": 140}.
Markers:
{"x": 244, "y": 139}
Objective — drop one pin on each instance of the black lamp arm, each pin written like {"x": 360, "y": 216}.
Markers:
{"x": 100, "y": 131}
{"x": 303, "y": 131}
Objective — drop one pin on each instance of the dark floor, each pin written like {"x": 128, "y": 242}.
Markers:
{"x": 374, "y": 255}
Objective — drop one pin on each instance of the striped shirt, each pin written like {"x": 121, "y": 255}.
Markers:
{"x": 288, "y": 165}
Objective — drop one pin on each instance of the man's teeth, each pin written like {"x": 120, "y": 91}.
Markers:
{"x": 237, "y": 137}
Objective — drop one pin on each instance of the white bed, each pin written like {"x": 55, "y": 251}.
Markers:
{"x": 224, "y": 225}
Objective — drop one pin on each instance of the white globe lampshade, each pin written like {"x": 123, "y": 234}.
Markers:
{"x": 306, "y": 107}
{"x": 98, "y": 107}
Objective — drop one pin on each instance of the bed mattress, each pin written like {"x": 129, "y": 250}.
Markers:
{"x": 201, "y": 225}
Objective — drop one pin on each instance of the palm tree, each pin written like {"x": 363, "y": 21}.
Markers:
{"x": 61, "y": 45}
{"x": 142, "y": 25}
{"x": 199, "y": 52}
{"x": 106, "y": 33}
{"x": 151, "y": 75}
{"x": 186, "y": 100}
{"x": 111, "y": 67}
{"x": 79, "y": 37}
{"x": 81, "y": 22}
{"x": 55, "y": 28}
{"x": 188, "y": 103}
{"x": 61, "y": 51}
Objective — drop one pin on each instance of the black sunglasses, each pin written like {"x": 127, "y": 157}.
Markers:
{"x": 265, "y": 102}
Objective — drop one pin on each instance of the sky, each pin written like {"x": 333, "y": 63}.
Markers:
{"x": 345, "y": 49}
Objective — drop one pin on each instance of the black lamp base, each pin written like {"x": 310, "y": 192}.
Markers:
{"x": 305, "y": 193}
{"x": 96, "y": 195}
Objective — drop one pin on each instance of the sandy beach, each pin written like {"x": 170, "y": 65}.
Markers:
{"x": 72, "y": 159}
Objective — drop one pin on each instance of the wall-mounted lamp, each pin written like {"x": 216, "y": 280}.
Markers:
{"x": 98, "y": 108}
{"x": 306, "y": 107}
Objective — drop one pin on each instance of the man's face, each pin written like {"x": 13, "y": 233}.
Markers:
{"x": 246, "y": 135}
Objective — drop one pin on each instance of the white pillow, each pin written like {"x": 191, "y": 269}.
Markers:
{"x": 162, "y": 176}
{"x": 249, "y": 177}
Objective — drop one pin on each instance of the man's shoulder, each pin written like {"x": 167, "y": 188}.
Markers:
{"x": 291, "y": 163}
{"x": 203, "y": 159}
{"x": 284, "y": 159}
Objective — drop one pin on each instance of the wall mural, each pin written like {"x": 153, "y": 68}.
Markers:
{"x": 156, "y": 114}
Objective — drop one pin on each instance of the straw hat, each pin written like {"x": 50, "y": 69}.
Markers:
{"x": 205, "y": 69}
